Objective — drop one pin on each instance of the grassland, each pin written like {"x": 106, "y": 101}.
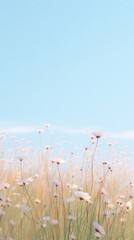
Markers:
{"x": 47, "y": 198}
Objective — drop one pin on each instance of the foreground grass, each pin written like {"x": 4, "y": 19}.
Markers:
{"x": 50, "y": 200}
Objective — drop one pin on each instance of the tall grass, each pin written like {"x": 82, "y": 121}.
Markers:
{"x": 45, "y": 198}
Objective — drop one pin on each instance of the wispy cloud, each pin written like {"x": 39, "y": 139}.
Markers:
{"x": 12, "y": 128}
{"x": 15, "y": 130}
{"x": 123, "y": 134}
{"x": 67, "y": 130}
{"x": 74, "y": 130}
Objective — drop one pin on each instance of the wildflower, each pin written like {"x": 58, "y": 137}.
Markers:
{"x": 115, "y": 211}
{"x": 97, "y": 235}
{"x": 56, "y": 195}
{"x": 49, "y": 147}
{"x": 20, "y": 158}
{"x": 25, "y": 209}
{"x": 12, "y": 222}
{"x": 23, "y": 183}
{"x": 131, "y": 184}
{"x": 106, "y": 214}
{"x": 71, "y": 218}
{"x": 131, "y": 195}
{"x": 44, "y": 225}
{"x": 101, "y": 181}
{"x": 103, "y": 191}
{"x": 54, "y": 222}
{"x": 97, "y": 134}
{"x": 73, "y": 186}
{"x": 107, "y": 200}
{"x": 110, "y": 205}
{"x": 72, "y": 237}
{"x": 56, "y": 183}
{"x": 47, "y": 218}
{"x": 36, "y": 175}
{"x": 120, "y": 202}
{"x": 57, "y": 161}
{"x": 105, "y": 162}
{"x": 128, "y": 206}
{"x": 30, "y": 179}
{"x": 37, "y": 201}
{"x": 98, "y": 228}
{"x": 47, "y": 125}
{"x": 123, "y": 220}
{"x": 6, "y": 185}
{"x": 6, "y": 202}
{"x": 40, "y": 131}
{"x": 2, "y": 198}
{"x": 82, "y": 195}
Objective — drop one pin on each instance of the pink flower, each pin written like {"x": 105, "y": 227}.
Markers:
{"x": 97, "y": 134}
{"x": 57, "y": 161}
{"x": 98, "y": 229}
{"x": 83, "y": 196}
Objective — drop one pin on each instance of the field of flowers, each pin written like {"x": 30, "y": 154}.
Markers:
{"x": 45, "y": 198}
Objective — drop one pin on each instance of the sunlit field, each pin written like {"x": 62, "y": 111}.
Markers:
{"x": 47, "y": 197}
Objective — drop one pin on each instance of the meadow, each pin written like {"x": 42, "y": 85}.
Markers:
{"x": 45, "y": 197}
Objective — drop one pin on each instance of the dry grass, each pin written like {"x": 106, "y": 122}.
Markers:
{"x": 50, "y": 200}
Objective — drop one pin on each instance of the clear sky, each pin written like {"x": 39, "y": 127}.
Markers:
{"x": 67, "y": 62}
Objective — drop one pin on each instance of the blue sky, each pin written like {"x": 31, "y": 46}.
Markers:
{"x": 69, "y": 63}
